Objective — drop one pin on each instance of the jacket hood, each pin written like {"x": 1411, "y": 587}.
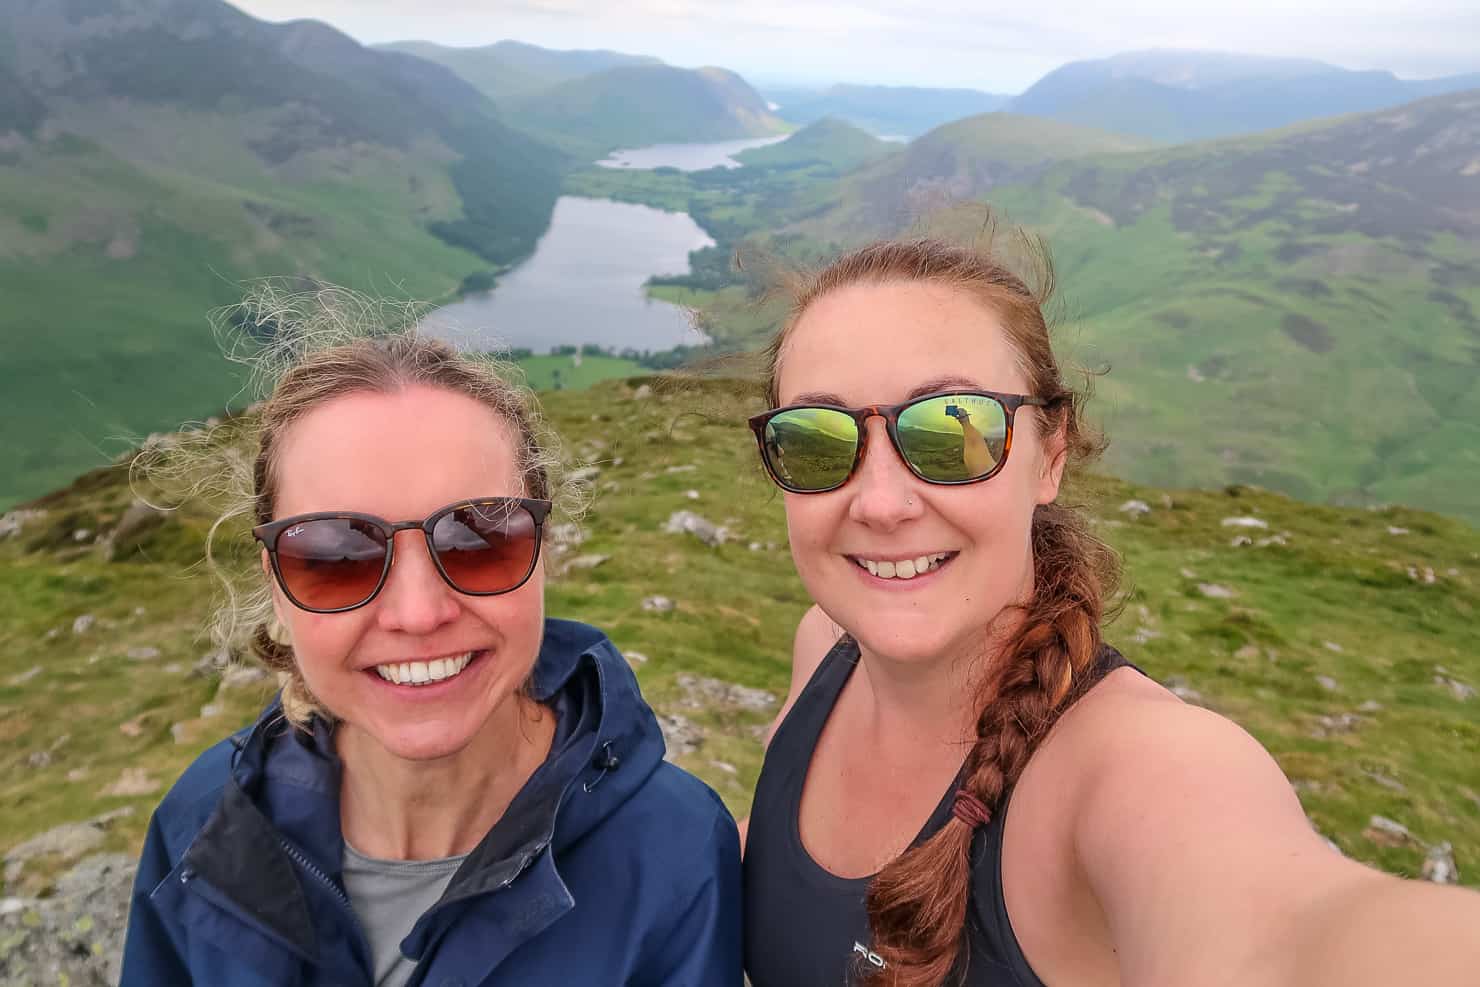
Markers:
{"x": 282, "y": 802}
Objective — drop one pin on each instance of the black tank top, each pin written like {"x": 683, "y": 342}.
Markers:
{"x": 807, "y": 927}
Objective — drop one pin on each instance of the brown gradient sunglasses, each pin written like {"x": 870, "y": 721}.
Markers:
{"x": 949, "y": 438}
{"x": 334, "y": 561}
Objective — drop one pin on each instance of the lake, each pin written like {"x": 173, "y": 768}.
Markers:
{"x": 584, "y": 284}
{"x": 686, "y": 157}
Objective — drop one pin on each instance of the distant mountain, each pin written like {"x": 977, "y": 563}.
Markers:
{"x": 1298, "y": 309}
{"x": 833, "y": 143}
{"x": 887, "y": 111}
{"x": 1187, "y": 95}
{"x": 155, "y": 152}
{"x": 639, "y": 105}
{"x": 509, "y": 70}
{"x": 961, "y": 160}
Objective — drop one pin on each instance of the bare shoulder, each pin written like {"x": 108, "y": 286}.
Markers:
{"x": 1175, "y": 820}
{"x": 816, "y": 634}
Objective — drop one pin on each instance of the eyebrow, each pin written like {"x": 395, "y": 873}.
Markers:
{"x": 933, "y": 386}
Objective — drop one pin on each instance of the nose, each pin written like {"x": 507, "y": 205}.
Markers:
{"x": 883, "y": 490}
{"x": 415, "y": 598}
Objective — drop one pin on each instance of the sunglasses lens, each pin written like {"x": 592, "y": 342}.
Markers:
{"x": 810, "y": 449}
{"x": 331, "y": 563}
{"x": 486, "y": 547}
{"x": 951, "y": 438}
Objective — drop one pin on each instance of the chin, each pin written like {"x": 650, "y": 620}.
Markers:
{"x": 427, "y": 743}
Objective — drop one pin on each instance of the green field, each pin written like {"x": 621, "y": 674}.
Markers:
{"x": 1383, "y": 602}
{"x": 548, "y": 372}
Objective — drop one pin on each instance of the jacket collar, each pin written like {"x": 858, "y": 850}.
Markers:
{"x": 282, "y": 802}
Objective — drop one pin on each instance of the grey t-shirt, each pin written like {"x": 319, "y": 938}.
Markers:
{"x": 388, "y": 897}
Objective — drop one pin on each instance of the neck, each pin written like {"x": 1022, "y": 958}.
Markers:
{"x": 935, "y": 700}
{"x": 396, "y": 809}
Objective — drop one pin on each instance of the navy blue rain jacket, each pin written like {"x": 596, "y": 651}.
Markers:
{"x": 610, "y": 867}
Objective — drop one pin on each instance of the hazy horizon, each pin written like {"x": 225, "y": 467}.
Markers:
{"x": 942, "y": 43}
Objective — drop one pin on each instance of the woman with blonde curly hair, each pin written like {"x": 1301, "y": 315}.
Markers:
{"x": 967, "y": 785}
{"x": 452, "y": 788}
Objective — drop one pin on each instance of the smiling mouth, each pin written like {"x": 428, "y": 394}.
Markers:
{"x": 416, "y": 673}
{"x": 904, "y": 568}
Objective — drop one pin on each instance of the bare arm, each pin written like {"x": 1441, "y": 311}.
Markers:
{"x": 816, "y": 634}
{"x": 1208, "y": 871}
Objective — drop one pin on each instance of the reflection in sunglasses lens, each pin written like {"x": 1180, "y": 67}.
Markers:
{"x": 331, "y": 563}
{"x": 811, "y": 448}
{"x": 485, "y": 547}
{"x": 953, "y": 437}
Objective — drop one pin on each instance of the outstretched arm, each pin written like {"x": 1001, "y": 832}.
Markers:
{"x": 1208, "y": 871}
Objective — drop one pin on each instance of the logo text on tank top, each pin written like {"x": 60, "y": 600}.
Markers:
{"x": 869, "y": 956}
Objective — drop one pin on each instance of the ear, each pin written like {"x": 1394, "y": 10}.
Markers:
{"x": 278, "y": 603}
{"x": 1055, "y": 458}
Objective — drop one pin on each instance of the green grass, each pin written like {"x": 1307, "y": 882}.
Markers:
{"x": 548, "y": 372}
{"x": 1331, "y": 595}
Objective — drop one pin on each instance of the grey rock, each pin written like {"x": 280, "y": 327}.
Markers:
{"x": 642, "y": 393}
{"x": 657, "y": 604}
{"x": 706, "y": 693}
{"x": 1245, "y": 522}
{"x": 691, "y": 494}
{"x": 585, "y": 474}
{"x": 587, "y": 561}
{"x": 82, "y": 534}
{"x": 1460, "y": 690}
{"x": 681, "y": 522}
{"x": 209, "y": 710}
{"x": 1439, "y": 865}
{"x": 1135, "y": 508}
{"x": 242, "y": 676}
{"x": 74, "y": 936}
{"x": 26, "y": 676}
{"x": 680, "y": 734}
{"x": 565, "y": 534}
{"x": 39, "y": 760}
{"x": 1214, "y": 591}
{"x": 1180, "y": 688}
{"x": 68, "y": 841}
{"x": 1388, "y": 832}
{"x": 635, "y": 657}
{"x": 139, "y": 519}
{"x": 682, "y": 468}
{"x": 1328, "y": 683}
{"x": 12, "y": 522}
{"x": 142, "y": 653}
{"x": 83, "y": 624}
{"x": 211, "y": 663}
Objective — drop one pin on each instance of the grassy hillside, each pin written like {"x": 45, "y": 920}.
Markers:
{"x": 959, "y": 160}
{"x": 639, "y": 105}
{"x": 1345, "y": 640}
{"x": 1179, "y": 96}
{"x": 903, "y": 111}
{"x": 509, "y": 70}
{"x": 1296, "y": 309}
{"x": 833, "y": 143}
{"x": 159, "y": 156}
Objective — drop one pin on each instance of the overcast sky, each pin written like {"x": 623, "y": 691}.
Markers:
{"x": 925, "y": 42}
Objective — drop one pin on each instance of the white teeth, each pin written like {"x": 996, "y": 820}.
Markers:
{"x": 905, "y": 568}
{"x": 423, "y": 672}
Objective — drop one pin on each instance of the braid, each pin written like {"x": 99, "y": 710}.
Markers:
{"x": 917, "y": 904}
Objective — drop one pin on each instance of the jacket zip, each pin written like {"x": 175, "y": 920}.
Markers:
{"x": 308, "y": 866}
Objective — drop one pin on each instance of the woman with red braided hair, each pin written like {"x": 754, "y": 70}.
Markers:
{"x": 966, "y": 785}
